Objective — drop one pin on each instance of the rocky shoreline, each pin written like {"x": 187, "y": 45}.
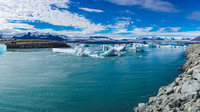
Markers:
{"x": 33, "y": 43}
{"x": 183, "y": 94}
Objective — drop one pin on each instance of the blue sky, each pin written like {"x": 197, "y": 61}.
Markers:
{"x": 112, "y": 18}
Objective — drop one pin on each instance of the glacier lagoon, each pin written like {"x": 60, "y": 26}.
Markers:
{"x": 40, "y": 80}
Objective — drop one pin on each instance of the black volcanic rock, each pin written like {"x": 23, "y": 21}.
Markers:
{"x": 34, "y": 43}
{"x": 196, "y": 39}
{"x": 38, "y": 45}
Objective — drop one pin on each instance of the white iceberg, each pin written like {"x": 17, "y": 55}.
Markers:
{"x": 3, "y": 49}
{"x": 135, "y": 49}
{"x": 139, "y": 49}
{"x": 151, "y": 45}
{"x": 68, "y": 51}
{"x": 120, "y": 48}
{"x": 111, "y": 52}
{"x": 101, "y": 50}
{"x": 79, "y": 51}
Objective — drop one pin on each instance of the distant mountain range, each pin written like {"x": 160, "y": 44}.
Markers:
{"x": 196, "y": 39}
{"x": 46, "y": 36}
{"x": 96, "y": 39}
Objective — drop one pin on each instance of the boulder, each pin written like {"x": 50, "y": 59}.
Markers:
{"x": 190, "y": 87}
{"x": 196, "y": 74}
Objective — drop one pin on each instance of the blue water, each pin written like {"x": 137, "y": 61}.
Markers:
{"x": 39, "y": 80}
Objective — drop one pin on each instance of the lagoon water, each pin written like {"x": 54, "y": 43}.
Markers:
{"x": 39, "y": 80}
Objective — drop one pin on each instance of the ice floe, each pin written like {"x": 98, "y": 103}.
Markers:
{"x": 3, "y": 49}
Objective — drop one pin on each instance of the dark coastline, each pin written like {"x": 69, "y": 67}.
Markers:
{"x": 32, "y": 43}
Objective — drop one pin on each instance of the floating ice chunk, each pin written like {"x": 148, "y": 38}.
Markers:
{"x": 120, "y": 48}
{"x": 173, "y": 46}
{"x": 80, "y": 52}
{"x": 106, "y": 48}
{"x": 139, "y": 49}
{"x": 3, "y": 49}
{"x": 111, "y": 52}
{"x": 68, "y": 51}
{"x": 135, "y": 49}
{"x": 77, "y": 49}
{"x": 131, "y": 49}
{"x": 166, "y": 46}
{"x": 96, "y": 56}
{"x": 146, "y": 45}
{"x": 158, "y": 46}
{"x": 185, "y": 46}
{"x": 88, "y": 52}
{"x": 151, "y": 45}
{"x": 83, "y": 45}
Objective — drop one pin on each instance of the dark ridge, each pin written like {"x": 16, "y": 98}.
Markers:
{"x": 32, "y": 43}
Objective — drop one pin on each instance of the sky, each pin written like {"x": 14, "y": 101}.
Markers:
{"x": 111, "y": 18}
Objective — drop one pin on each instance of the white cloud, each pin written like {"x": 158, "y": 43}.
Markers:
{"x": 194, "y": 15}
{"x": 41, "y": 10}
{"x": 148, "y": 31}
{"x": 154, "y": 5}
{"x": 7, "y": 25}
{"x": 121, "y": 23}
{"x": 91, "y": 10}
{"x": 138, "y": 30}
{"x": 175, "y": 28}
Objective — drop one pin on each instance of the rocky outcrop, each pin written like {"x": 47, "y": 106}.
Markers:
{"x": 33, "y": 43}
{"x": 38, "y": 45}
{"x": 182, "y": 95}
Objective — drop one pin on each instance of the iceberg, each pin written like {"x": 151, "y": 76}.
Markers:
{"x": 111, "y": 52}
{"x": 79, "y": 51}
{"x": 3, "y": 49}
{"x": 120, "y": 48}
{"x": 101, "y": 50}
{"x": 68, "y": 51}
{"x": 151, "y": 45}
{"x": 135, "y": 48}
{"x": 105, "y": 47}
{"x": 139, "y": 49}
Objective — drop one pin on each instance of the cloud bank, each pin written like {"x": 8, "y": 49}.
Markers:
{"x": 194, "y": 15}
{"x": 154, "y": 5}
{"x": 41, "y": 10}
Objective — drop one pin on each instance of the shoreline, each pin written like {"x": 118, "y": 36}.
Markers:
{"x": 32, "y": 43}
{"x": 183, "y": 94}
